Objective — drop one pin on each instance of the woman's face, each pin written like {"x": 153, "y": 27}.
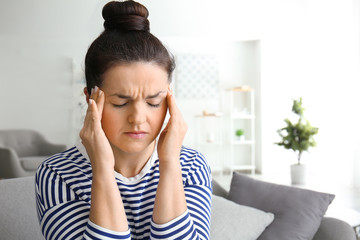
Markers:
{"x": 135, "y": 105}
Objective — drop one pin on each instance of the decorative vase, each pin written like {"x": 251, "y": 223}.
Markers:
{"x": 298, "y": 174}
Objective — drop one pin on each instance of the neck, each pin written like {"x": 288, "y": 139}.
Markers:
{"x": 130, "y": 164}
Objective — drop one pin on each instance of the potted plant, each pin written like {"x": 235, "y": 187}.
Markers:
{"x": 299, "y": 137}
{"x": 240, "y": 134}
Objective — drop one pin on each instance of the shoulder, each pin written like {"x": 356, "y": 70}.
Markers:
{"x": 195, "y": 166}
{"x": 66, "y": 164}
{"x": 190, "y": 156}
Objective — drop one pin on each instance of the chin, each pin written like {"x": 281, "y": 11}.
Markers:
{"x": 131, "y": 147}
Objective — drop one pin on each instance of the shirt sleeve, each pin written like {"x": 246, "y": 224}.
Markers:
{"x": 195, "y": 222}
{"x": 62, "y": 213}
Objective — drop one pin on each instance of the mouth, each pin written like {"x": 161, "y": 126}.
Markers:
{"x": 136, "y": 134}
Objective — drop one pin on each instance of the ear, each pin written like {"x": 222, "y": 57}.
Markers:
{"x": 86, "y": 94}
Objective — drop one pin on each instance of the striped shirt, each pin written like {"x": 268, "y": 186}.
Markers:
{"x": 63, "y": 197}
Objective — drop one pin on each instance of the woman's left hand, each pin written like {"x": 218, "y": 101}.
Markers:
{"x": 170, "y": 199}
{"x": 171, "y": 138}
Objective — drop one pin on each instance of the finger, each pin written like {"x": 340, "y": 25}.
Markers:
{"x": 173, "y": 108}
{"x": 90, "y": 118}
{"x": 94, "y": 115}
{"x": 171, "y": 103}
{"x": 99, "y": 98}
{"x": 91, "y": 93}
{"x": 88, "y": 102}
{"x": 92, "y": 110}
{"x": 176, "y": 116}
{"x": 95, "y": 93}
{"x": 91, "y": 96}
{"x": 100, "y": 102}
{"x": 93, "y": 107}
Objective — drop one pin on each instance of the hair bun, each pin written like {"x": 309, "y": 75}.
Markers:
{"x": 125, "y": 16}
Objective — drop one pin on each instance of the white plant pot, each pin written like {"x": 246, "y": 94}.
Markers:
{"x": 298, "y": 174}
{"x": 210, "y": 137}
{"x": 241, "y": 138}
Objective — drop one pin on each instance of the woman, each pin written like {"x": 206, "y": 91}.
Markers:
{"x": 126, "y": 180}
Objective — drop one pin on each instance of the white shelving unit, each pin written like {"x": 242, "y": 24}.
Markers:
{"x": 242, "y": 116}
{"x": 209, "y": 140}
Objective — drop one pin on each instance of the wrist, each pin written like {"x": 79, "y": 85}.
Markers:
{"x": 103, "y": 172}
{"x": 170, "y": 168}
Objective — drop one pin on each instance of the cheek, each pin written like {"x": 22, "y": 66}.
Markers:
{"x": 111, "y": 120}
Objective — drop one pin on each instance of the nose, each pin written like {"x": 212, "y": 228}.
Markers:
{"x": 137, "y": 115}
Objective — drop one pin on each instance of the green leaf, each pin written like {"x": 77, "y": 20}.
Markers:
{"x": 298, "y": 136}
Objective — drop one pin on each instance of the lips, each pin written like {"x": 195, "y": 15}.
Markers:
{"x": 136, "y": 134}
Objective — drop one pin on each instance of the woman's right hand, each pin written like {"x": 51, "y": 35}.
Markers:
{"x": 107, "y": 209}
{"x": 93, "y": 137}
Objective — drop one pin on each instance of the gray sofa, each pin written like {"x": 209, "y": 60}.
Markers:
{"x": 18, "y": 218}
{"x": 22, "y": 151}
{"x": 291, "y": 206}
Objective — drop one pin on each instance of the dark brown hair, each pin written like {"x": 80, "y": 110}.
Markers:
{"x": 126, "y": 39}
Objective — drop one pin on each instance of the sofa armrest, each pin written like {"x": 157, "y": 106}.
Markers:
{"x": 334, "y": 229}
{"x": 9, "y": 163}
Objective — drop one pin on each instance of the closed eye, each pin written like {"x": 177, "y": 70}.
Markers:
{"x": 154, "y": 105}
{"x": 120, "y": 105}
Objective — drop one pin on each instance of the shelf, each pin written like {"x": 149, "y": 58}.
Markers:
{"x": 206, "y": 114}
{"x": 242, "y": 116}
{"x": 240, "y": 89}
{"x": 210, "y": 143}
{"x": 243, "y": 142}
{"x": 209, "y": 138}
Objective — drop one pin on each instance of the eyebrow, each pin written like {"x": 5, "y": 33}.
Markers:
{"x": 155, "y": 95}
{"x": 129, "y": 97}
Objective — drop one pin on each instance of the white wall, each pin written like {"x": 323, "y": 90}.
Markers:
{"x": 308, "y": 49}
{"x": 316, "y": 58}
{"x": 40, "y": 43}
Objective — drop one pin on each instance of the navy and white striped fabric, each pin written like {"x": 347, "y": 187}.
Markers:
{"x": 63, "y": 195}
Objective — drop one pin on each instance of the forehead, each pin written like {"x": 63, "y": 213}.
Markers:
{"x": 130, "y": 77}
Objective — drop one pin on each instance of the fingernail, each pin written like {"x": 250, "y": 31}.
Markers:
{"x": 96, "y": 88}
{"x": 92, "y": 91}
{"x": 100, "y": 93}
{"x": 91, "y": 101}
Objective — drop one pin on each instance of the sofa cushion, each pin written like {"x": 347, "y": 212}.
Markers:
{"x": 298, "y": 212}
{"x": 230, "y": 219}
{"x": 18, "y": 217}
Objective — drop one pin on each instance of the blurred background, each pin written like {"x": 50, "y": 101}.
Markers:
{"x": 282, "y": 49}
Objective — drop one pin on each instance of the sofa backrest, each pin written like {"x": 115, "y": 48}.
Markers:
{"x": 24, "y": 142}
{"x": 18, "y": 217}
